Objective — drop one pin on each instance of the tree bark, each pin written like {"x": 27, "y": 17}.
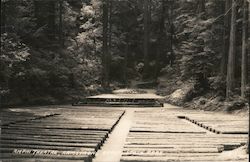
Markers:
{"x": 171, "y": 34}
{"x": 226, "y": 32}
{"x": 41, "y": 12}
{"x": 110, "y": 24}
{"x": 37, "y": 13}
{"x": 146, "y": 36}
{"x": 3, "y": 16}
{"x": 160, "y": 48}
{"x": 61, "y": 23}
{"x": 201, "y": 6}
{"x": 125, "y": 73}
{"x": 110, "y": 5}
{"x": 244, "y": 50}
{"x": 51, "y": 19}
{"x": 231, "y": 55}
{"x": 105, "y": 45}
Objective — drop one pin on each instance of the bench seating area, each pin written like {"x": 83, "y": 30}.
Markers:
{"x": 220, "y": 123}
{"x": 155, "y": 136}
{"x": 71, "y": 135}
{"x": 159, "y": 121}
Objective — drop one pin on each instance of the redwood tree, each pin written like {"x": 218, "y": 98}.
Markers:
{"x": 105, "y": 79}
{"x": 146, "y": 35}
{"x": 226, "y": 32}
{"x": 231, "y": 55}
{"x": 244, "y": 50}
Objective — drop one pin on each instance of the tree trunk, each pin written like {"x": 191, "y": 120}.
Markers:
{"x": 125, "y": 74}
{"x": 201, "y": 6}
{"x": 51, "y": 19}
{"x": 146, "y": 37}
{"x": 105, "y": 44}
{"x": 61, "y": 23}
{"x": 160, "y": 48}
{"x": 226, "y": 32}
{"x": 110, "y": 24}
{"x": 171, "y": 34}
{"x": 244, "y": 50}
{"x": 37, "y": 13}
{"x": 3, "y": 16}
{"x": 231, "y": 55}
{"x": 109, "y": 36}
{"x": 41, "y": 14}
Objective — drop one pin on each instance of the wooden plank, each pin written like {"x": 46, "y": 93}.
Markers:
{"x": 51, "y": 140}
{"x": 172, "y": 146}
{"x": 25, "y": 136}
{"x": 28, "y": 142}
{"x": 157, "y": 135}
{"x": 125, "y": 159}
{"x": 45, "y": 156}
{"x": 163, "y": 131}
{"x": 180, "y": 157}
{"x": 135, "y": 151}
{"x": 21, "y": 151}
{"x": 180, "y": 143}
{"x": 42, "y": 160}
{"x": 52, "y": 131}
{"x": 62, "y": 127}
{"x": 27, "y": 146}
{"x": 11, "y": 148}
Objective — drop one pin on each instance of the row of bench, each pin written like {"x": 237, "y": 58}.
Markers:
{"x": 120, "y": 102}
{"x": 220, "y": 123}
{"x": 159, "y": 135}
{"x": 71, "y": 135}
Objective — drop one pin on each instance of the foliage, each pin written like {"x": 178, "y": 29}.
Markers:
{"x": 196, "y": 48}
{"x": 13, "y": 50}
{"x": 33, "y": 64}
{"x": 13, "y": 54}
{"x": 54, "y": 50}
{"x": 199, "y": 57}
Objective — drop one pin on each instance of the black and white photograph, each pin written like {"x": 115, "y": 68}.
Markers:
{"x": 124, "y": 80}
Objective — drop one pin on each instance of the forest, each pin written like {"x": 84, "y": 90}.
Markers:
{"x": 194, "y": 52}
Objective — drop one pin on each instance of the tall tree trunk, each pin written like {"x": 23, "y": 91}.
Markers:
{"x": 125, "y": 73}
{"x": 146, "y": 36}
{"x": 3, "y": 16}
{"x": 231, "y": 55}
{"x": 226, "y": 33}
{"x": 201, "y": 6}
{"x": 37, "y": 13}
{"x": 110, "y": 24}
{"x": 171, "y": 34}
{"x": 61, "y": 23}
{"x": 110, "y": 5}
{"x": 244, "y": 50}
{"x": 171, "y": 29}
{"x": 150, "y": 8}
{"x": 160, "y": 48}
{"x": 105, "y": 44}
{"x": 41, "y": 14}
{"x": 51, "y": 19}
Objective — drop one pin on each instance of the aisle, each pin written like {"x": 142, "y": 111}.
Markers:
{"x": 112, "y": 148}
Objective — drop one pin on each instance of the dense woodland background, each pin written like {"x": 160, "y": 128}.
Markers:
{"x": 55, "y": 51}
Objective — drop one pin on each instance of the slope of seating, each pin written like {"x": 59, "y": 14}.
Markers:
{"x": 220, "y": 123}
{"x": 157, "y": 121}
{"x": 72, "y": 135}
{"x": 157, "y": 136}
